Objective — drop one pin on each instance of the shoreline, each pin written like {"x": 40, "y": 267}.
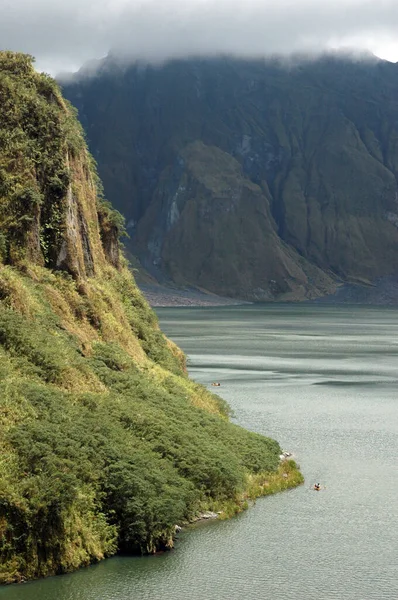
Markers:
{"x": 384, "y": 292}
{"x": 161, "y": 296}
{"x": 286, "y": 477}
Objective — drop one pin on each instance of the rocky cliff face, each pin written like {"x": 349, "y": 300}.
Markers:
{"x": 50, "y": 213}
{"x": 210, "y": 225}
{"x": 251, "y": 178}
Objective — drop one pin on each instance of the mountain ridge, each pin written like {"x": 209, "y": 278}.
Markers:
{"x": 318, "y": 138}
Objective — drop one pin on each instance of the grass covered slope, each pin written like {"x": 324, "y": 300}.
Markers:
{"x": 105, "y": 444}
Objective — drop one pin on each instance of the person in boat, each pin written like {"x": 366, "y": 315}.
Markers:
{"x": 317, "y": 486}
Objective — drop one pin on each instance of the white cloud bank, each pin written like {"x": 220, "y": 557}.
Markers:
{"x": 63, "y": 34}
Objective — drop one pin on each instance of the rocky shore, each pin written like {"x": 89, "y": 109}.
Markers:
{"x": 158, "y": 295}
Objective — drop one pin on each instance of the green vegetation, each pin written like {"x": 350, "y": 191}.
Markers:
{"x": 251, "y": 178}
{"x": 105, "y": 443}
{"x": 33, "y": 174}
{"x": 46, "y": 193}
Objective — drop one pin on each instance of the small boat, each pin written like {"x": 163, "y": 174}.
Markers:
{"x": 216, "y": 384}
{"x": 317, "y": 488}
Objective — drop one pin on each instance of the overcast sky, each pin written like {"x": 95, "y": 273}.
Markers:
{"x": 63, "y": 34}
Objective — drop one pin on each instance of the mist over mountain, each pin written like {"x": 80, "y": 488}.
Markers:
{"x": 258, "y": 179}
{"x": 64, "y": 35}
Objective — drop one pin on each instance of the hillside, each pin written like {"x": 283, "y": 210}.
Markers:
{"x": 253, "y": 179}
{"x": 105, "y": 444}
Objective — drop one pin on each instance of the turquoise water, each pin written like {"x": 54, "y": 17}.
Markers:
{"x": 323, "y": 380}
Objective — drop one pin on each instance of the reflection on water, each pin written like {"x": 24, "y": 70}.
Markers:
{"x": 323, "y": 381}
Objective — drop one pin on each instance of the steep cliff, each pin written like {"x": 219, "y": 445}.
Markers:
{"x": 105, "y": 444}
{"x": 251, "y": 178}
{"x": 50, "y": 209}
{"x": 210, "y": 225}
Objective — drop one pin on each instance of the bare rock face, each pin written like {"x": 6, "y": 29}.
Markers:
{"x": 110, "y": 241}
{"x": 75, "y": 254}
{"x": 235, "y": 249}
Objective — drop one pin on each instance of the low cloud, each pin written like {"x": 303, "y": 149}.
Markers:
{"x": 64, "y": 35}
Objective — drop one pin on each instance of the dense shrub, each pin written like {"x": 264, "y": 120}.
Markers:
{"x": 105, "y": 444}
{"x": 96, "y": 471}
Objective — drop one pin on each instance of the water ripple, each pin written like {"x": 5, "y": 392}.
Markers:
{"x": 323, "y": 381}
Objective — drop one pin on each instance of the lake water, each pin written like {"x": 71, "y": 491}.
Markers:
{"x": 323, "y": 380}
